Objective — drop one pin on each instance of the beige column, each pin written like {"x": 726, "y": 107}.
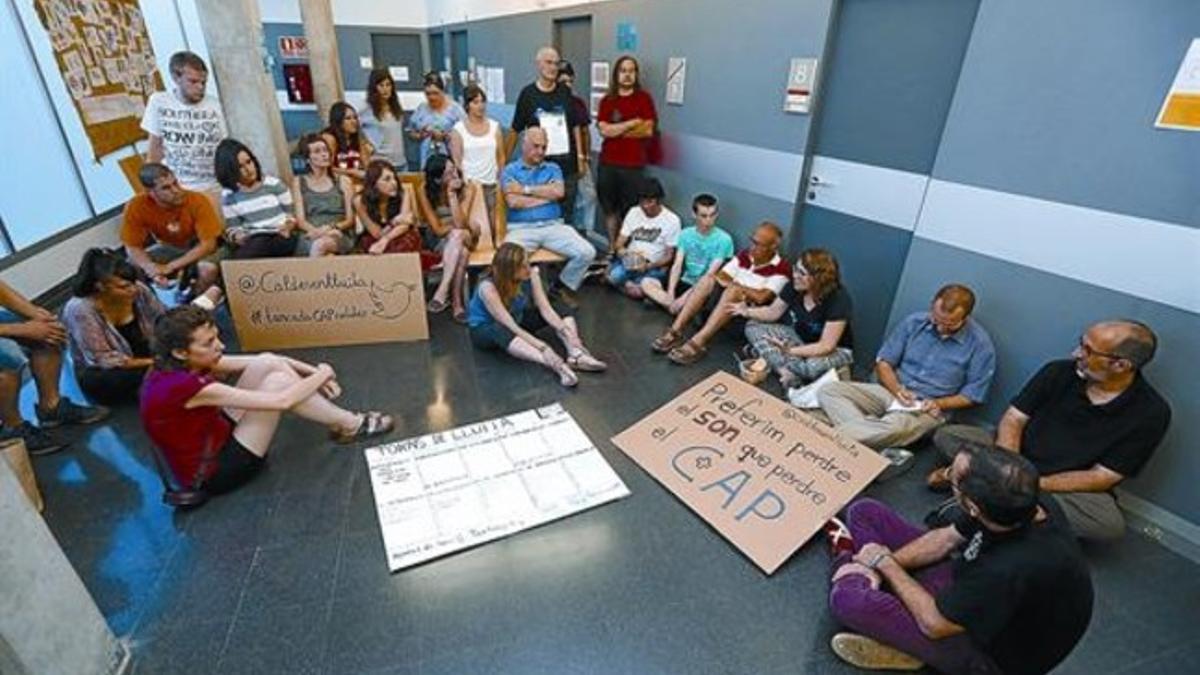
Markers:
{"x": 322, "y": 54}
{"x": 233, "y": 31}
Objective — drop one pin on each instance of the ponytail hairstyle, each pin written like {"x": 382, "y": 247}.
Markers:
{"x": 97, "y": 265}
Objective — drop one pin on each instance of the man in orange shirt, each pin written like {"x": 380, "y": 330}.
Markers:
{"x": 167, "y": 230}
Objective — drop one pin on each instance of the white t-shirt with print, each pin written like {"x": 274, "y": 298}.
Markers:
{"x": 651, "y": 237}
{"x": 190, "y": 133}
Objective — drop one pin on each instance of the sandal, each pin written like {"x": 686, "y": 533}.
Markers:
{"x": 583, "y": 360}
{"x": 687, "y": 354}
{"x": 373, "y": 424}
{"x": 566, "y": 376}
{"x": 669, "y": 340}
{"x": 460, "y": 316}
{"x": 436, "y": 306}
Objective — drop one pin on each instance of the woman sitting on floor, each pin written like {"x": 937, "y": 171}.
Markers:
{"x": 324, "y": 202}
{"x": 215, "y": 436}
{"x": 814, "y": 334}
{"x": 349, "y": 145}
{"x": 386, "y": 213}
{"x": 511, "y": 304}
{"x": 455, "y": 212}
{"x": 257, "y": 208}
{"x": 110, "y": 324}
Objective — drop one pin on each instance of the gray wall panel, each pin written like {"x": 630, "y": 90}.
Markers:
{"x": 890, "y": 80}
{"x": 734, "y": 91}
{"x": 1035, "y": 316}
{"x": 871, "y": 257}
{"x": 1058, "y": 99}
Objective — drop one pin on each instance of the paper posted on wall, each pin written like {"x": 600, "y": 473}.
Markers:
{"x": 451, "y": 490}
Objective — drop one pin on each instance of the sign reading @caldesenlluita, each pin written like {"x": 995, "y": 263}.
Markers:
{"x": 283, "y": 303}
{"x": 764, "y": 474}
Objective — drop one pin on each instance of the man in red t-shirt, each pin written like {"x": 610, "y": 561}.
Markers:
{"x": 627, "y": 122}
{"x": 752, "y": 278}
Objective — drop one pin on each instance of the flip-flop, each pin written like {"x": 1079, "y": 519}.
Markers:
{"x": 374, "y": 424}
{"x": 436, "y": 306}
{"x": 460, "y": 316}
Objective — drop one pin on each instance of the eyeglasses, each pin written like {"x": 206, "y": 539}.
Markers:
{"x": 1089, "y": 352}
{"x": 800, "y": 271}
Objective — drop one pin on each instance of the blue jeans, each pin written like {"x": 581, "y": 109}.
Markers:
{"x": 554, "y": 235}
{"x": 12, "y": 354}
{"x": 618, "y": 274}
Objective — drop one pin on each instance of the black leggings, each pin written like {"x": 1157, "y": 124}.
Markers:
{"x": 265, "y": 246}
{"x": 111, "y": 386}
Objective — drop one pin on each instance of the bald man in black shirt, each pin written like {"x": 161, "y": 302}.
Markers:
{"x": 1087, "y": 424}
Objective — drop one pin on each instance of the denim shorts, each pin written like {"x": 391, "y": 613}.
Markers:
{"x": 12, "y": 353}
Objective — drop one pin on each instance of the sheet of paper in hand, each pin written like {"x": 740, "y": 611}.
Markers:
{"x": 451, "y": 490}
{"x": 761, "y": 472}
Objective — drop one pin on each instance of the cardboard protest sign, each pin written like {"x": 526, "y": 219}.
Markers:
{"x": 764, "y": 474}
{"x": 281, "y": 303}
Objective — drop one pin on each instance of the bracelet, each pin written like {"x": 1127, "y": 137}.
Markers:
{"x": 874, "y": 564}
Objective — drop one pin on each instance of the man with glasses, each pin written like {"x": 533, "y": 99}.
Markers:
{"x": 1087, "y": 423}
{"x": 931, "y": 365}
{"x": 752, "y": 278}
{"x": 1001, "y": 588}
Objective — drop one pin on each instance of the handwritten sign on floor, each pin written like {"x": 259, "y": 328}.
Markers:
{"x": 764, "y": 474}
{"x": 281, "y": 303}
{"x": 450, "y": 490}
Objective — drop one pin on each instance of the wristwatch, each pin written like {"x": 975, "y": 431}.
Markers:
{"x": 526, "y": 190}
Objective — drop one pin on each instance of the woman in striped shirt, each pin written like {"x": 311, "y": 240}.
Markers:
{"x": 257, "y": 208}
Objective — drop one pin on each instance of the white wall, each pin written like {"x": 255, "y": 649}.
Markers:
{"x": 453, "y": 11}
{"x": 393, "y": 13}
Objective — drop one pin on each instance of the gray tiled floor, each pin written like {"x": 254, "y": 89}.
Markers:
{"x": 288, "y": 575}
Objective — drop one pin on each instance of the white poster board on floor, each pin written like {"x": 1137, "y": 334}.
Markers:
{"x": 451, "y": 490}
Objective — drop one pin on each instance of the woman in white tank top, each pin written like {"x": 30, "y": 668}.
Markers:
{"x": 477, "y": 146}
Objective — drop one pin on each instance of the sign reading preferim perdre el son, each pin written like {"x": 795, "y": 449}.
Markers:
{"x": 764, "y": 474}
{"x": 282, "y": 303}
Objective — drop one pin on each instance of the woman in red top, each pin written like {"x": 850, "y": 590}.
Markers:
{"x": 388, "y": 215}
{"x": 627, "y": 122}
{"x": 215, "y": 435}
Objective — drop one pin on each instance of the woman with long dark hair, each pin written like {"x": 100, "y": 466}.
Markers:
{"x": 110, "y": 327}
{"x": 382, "y": 119}
{"x": 351, "y": 149}
{"x": 324, "y": 203}
{"x": 432, "y": 121}
{"x": 215, "y": 435}
{"x": 511, "y": 304}
{"x": 806, "y": 330}
{"x": 388, "y": 216}
{"x": 257, "y": 207}
{"x": 452, "y": 209}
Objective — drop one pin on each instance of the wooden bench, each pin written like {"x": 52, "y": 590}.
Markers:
{"x": 492, "y": 230}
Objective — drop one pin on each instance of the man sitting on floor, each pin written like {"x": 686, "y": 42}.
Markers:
{"x": 751, "y": 279}
{"x": 1086, "y": 423}
{"x": 168, "y": 231}
{"x": 532, "y": 188}
{"x": 701, "y": 251}
{"x": 32, "y": 336}
{"x": 930, "y": 365}
{"x": 1002, "y": 589}
{"x": 646, "y": 246}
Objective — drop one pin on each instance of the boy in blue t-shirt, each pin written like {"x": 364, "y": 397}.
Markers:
{"x": 701, "y": 250}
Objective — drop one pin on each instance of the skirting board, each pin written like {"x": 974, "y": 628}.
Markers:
{"x": 1161, "y": 525}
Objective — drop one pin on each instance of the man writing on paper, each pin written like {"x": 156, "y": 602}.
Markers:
{"x": 548, "y": 104}
{"x": 169, "y": 231}
{"x": 1003, "y": 588}
{"x": 930, "y": 365}
{"x": 1087, "y": 423}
